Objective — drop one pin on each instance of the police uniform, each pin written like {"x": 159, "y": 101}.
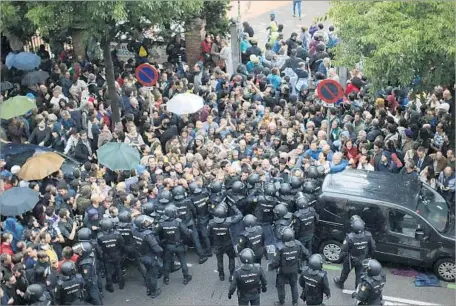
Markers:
{"x": 304, "y": 226}
{"x": 314, "y": 284}
{"x": 149, "y": 255}
{"x": 111, "y": 244}
{"x": 249, "y": 280}
{"x": 370, "y": 289}
{"x": 202, "y": 216}
{"x": 282, "y": 223}
{"x": 264, "y": 209}
{"x": 253, "y": 238}
{"x": 288, "y": 259}
{"x": 88, "y": 271}
{"x": 69, "y": 290}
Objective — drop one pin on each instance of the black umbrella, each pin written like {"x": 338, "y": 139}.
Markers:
{"x": 17, "y": 200}
{"x": 4, "y": 86}
{"x": 35, "y": 77}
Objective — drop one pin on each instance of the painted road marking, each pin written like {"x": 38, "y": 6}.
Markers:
{"x": 332, "y": 267}
{"x": 451, "y": 286}
{"x": 395, "y": 300}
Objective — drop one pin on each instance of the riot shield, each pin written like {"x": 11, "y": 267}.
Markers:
{"x": 270, "y": 240}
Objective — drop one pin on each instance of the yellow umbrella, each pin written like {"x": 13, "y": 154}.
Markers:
{"x": 40, "y": 166}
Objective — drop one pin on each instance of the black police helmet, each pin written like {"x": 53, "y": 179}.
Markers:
{"x": 68, "y": 268}
{"x": 147, "y": 208}
{"x": 249, "y": 220}
{"x": 216, "y": 187}
{"x": 302, "y": 202}
{"x": 270, "y": 190}
{"x": 247, "y": 256}
{"x": 142, "y": 221}
{"x": 178, "y": 192}
{"x": 165, "y": 197}
{"x": 253, "y": 179}
{"x": 83, "y": 248}
{"x": 237, "y": 187}
{"x": 295, "y": 182}
{"x": 315, "y": 262}
{"x": 106, "y": 224}
{"x": 321, "y": 171}
{"x": 84, "y": 234}
{"x": 34, "y": 292}
{"x": 354, "y": 217}
{"x": 357, "y": 225}
{"x": 285, "y": 188}
{"x": 287, "y": 235}
{"x": 195, "y": 188}
{"x": 171, "y": 211}
{"x": 220, "y": 212}
{"x": 280, "y": 211}
{"x": 312, "y": 172}
{"x": 125, "y": 216}
{"x": 309, "y": 187}
{"x": 374, "y": 268}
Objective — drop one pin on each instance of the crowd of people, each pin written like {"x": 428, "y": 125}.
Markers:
{"x": 263, "y": 136}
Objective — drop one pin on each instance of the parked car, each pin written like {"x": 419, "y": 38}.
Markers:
{"x": 17, "y": 154}
{"x": 410, "y": 222}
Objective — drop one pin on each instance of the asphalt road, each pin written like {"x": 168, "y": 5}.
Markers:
{"x": 207, "y": 289}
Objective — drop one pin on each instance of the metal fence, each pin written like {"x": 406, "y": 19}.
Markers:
{"x": 35, "y": 41}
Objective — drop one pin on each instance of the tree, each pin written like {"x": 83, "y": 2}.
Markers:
{"x": 17, "y": 29}
{"x": 397, "y": 41}
{"x": 103, "y": 20}
{"x": 215, "y": 15}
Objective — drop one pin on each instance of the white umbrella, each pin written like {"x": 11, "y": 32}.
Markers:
{"x": 186, "y": 103}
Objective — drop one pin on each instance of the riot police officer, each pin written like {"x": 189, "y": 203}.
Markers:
{"x": 124, "y": 227}
{"x": 265, "y": 205}
{"x": 254, "y": 185}
{"x": 85, "y": 235}
{"x": 369, "y": 291}
{"x": 310, "y": 187}
{"x": 217, "y": 194}
{"x": 148, "y": 209}
{"x": 219, "y": 229}
{"x": 252, "y": 237}
{"x": 200, "y": 200}
{"x": 238, "y": 197}
{"x": 249, "y": 279}
{"x": 186, "y": 212}
{"x": 87, "y": 269}
{"x": 70, "y": 285}
{"x": 296, "y": 185}
{"x": 172, "y": 231}
{"x": 283, "y": 219}
{"x": 37, "y": 295}
{"x": 289, "y": 256}
{"x": 149, "y": 252}
{"x": 357, "y": 246}
{"x": 111, "y": 243}
{"x": 285, "y": 196}
{"x": 164, "y": 198}
{"x": 314, "y": 281}
{"x": 305, "y": 220}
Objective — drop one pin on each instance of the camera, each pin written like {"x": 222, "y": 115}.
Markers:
{"x": 79, "y": 221}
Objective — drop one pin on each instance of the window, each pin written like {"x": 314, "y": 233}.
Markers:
{"x": 371, "y": 215}
{"x": 402, "y": 223}
{"x": 331, "y": 209}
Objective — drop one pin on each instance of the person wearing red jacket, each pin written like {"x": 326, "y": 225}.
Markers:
{"x": 5, "y": 247}
{"x": 351, "y": 153}
{"x": 350, "y": 88}
{"x": 206, "y": 47}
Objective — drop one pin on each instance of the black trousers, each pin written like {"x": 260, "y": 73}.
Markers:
{"x": 114, "y": 269}
{"x": 348, "y": 266}
{"x": 249, "y": 301}
{"x": 151, "y": 277}
{"x": 179, "y": 251}
{"x": 219, "y": 252}
{"x": 287, "y": 278}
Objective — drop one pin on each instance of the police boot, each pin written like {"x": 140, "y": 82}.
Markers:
{"x": 278, "y": 303}
{"x": 187, "y": 279}
{"x": 338, "y": 283}
{"x": 166, "y": 280}
{"x": 202, "y": 260}
{"x": 156, "y": 293}
{"x": 222, "y": 276}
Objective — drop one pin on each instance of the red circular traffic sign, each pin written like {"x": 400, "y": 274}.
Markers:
{"x": 330, "y": 91}
{"x": 147, "y": 74}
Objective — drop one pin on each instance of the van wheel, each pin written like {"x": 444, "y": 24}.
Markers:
{"x": 331, "y": 250}
{"x": 445, "y": 269}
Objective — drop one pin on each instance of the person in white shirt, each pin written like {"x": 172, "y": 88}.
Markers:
{"x": 57, "y": 96}
{"x": 364, "y": 164}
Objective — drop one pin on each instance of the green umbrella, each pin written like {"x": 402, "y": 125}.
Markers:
{"x": 118, "y": 156}
{"x": 17, "y": 106}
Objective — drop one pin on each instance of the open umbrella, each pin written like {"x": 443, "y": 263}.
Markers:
{"x": 185, "y": 103}
{"x": 17, "y": 200}
{"x": 23, "y": 61}
{"x": 35, "y": 77}
{"x": 16, "y": 106}
{"x": 118, "y": 156}
{"x": 40, "y": 166}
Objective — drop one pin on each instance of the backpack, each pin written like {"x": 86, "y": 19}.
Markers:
{"x": 142, "y": 51}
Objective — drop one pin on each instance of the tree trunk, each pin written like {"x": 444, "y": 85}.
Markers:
{"x": 79, "y": 43}
{"x": 193, "y": 39}
{"x": 112, "y": 92}
{"x": 15, "y": 42}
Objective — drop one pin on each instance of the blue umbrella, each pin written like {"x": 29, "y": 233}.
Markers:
{"x": 18, "y": 200}
{"x": 118, "y": 156}
{"x": 23, "y": 61}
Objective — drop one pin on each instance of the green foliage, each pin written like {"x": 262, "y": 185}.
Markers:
{"x": 215, "y": 14}
{"x": 12, "y": 20}
{"x": 397, "y": 40}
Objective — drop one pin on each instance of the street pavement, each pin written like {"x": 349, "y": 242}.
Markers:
{"x": 207, "y": 289}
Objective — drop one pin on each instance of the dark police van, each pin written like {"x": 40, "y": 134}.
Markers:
{"x": 410, "y": 222}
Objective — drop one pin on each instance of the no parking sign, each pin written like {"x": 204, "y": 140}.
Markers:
{"x": 330, "y": 91}
{"x": 147, "y": 75}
